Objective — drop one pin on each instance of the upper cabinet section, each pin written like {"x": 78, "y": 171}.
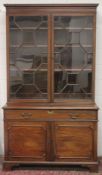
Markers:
{"x": 51, "y": 52}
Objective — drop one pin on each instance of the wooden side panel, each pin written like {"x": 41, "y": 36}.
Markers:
{"x": 74, "y": 141}
{"x": 27, "y": 141}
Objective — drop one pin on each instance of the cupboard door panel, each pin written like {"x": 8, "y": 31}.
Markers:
{"x": 74, "y": 140}
{"x": 27, "y": 141}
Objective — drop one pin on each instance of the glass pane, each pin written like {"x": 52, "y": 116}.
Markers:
{"x": 73, "y": 55}
{"x": 28, "y": 57}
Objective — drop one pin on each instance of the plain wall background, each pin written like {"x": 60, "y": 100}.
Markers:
{"x": 98, "y": 77}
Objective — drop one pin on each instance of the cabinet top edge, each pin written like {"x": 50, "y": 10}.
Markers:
{"x": 51, "y": 5}
{"x": 79, "y": 107}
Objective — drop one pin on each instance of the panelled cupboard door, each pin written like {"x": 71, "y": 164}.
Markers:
{"x": 74, "y": 141}
{"x": 27, "y": 141}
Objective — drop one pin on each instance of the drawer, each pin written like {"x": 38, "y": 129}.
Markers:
{"x": 82, "y": 114}
{"x": 51, "y": 114}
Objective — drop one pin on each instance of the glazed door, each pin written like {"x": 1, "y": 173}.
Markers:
{"x": 73, "y": 57}
{"x": 74, "y": 141}
{"x": 27, "y": 141}
{"x": 28, "y": 57}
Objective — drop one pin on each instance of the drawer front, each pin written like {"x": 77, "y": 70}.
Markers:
{"x": 51, "y": 114}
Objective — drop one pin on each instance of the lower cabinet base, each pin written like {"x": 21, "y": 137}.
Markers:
{"x": 10, "y": 165}
{"x": 53, "y": 137}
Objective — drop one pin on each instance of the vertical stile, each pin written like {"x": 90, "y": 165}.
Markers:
{"x": 94, "y": 55}
{"x": 50, "y": 60}
{"x": 7, "y": 54}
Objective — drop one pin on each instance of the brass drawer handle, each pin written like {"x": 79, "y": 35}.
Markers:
{"x": 50, "y": 112}
{"x": 26, "y": 115}
{"x": 73, "y": 115}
